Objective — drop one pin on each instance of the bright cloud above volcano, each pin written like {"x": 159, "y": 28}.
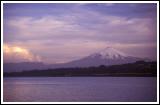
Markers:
{"x": 18, "y": 54}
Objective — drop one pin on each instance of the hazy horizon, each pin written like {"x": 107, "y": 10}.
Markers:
{"x": 146, "y": 59}
{"x": 57, "y": 33}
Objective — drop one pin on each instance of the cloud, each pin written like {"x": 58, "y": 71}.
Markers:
{"x": 75, "y": 34}
{"x": 106, "y": 4}
{"x": 63, "y": 51}
{"x": 80, "y": 25}
{"x": 18, "y": 54}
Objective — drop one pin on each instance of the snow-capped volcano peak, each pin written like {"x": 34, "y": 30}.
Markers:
{"x": 110, "y": 53}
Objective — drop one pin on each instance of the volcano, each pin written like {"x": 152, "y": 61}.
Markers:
{"x": 108, "y": 56}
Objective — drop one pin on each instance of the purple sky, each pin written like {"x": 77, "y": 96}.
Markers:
{"x": 63, "y": 32}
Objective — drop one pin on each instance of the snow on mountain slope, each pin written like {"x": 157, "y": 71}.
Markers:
{"x": 110, "y": 53}
{"x": 108, "y": 56}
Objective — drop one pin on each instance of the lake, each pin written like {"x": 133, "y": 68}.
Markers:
{"x": 80, "y": 89}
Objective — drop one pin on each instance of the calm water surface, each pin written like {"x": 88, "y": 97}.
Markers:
{"x": 80, "y": 89}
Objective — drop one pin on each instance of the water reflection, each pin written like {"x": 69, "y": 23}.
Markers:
{"x": 80, "y": 89}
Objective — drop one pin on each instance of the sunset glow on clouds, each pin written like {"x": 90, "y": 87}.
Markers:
{"x": 15, "y": 53}
{"x": 64, "y": 32}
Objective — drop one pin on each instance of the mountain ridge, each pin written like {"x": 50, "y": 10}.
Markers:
{"x": 107, "y": 56}
{"x": 136, "y": 69}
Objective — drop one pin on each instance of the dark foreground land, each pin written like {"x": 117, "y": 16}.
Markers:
{"x": 137, "y": 69}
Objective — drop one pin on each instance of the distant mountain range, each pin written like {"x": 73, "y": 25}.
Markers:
{"x": 108, "y": 56}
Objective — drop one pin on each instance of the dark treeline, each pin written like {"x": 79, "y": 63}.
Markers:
{"x": 139, "y": 68}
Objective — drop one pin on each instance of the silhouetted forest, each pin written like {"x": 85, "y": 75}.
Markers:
{"x": 139, "y": 68}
